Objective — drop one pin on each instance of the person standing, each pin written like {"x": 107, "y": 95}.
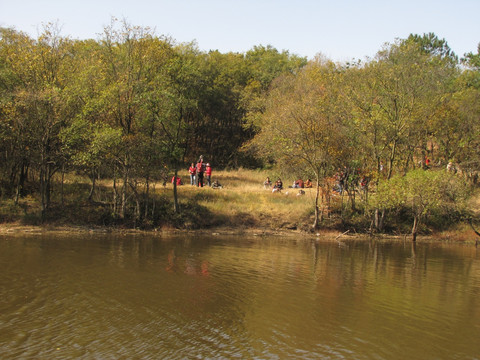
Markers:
{"x": 208, "y": 174}
{"x": 192, "y": 170}
{"x": 200, "y": 172}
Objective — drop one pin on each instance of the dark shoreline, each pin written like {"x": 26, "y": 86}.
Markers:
{"x": 324, "y": 235}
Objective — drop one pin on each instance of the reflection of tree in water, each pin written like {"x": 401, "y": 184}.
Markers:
{"x": 171, "y": 260}
{"x": 400, "y": 266}
{"x": 123, "y": 250}
{"x": 244, "y": 287}
{"x": 116, "y": 253}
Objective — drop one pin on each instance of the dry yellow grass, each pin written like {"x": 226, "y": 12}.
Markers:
{"x": 244, "y": 200}
{"x": 242, "y": 203}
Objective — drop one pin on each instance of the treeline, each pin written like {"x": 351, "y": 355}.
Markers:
{"x": 131, "y": 106}
{"x": 136, "y": 107}
{"x": 416, "y": 105}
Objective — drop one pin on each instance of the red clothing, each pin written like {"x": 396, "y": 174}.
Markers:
{"x": 208, "y": 171}
{"x": 200, "y": 167}
{"x": 179, "y": 180}
{"x": 192, "y": 170}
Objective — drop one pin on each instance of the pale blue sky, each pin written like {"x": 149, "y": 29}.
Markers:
{"x": 341, "y": 30}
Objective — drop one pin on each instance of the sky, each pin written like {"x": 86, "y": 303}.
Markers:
{"x": 341, "y": 30}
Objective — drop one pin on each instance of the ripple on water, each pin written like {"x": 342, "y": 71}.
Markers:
{"x": 262, "y": 299}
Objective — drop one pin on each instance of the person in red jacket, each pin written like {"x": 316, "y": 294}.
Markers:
{"x": 192, "y": 171}
{"x": 208, "y": 174}
{"x": 300, "y": 183}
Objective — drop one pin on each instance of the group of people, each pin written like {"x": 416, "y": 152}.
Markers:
{"x": 278, "y": 186}
{"x": 202, "y": 171}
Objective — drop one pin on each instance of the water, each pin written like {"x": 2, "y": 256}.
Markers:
{"x": 151, "y": 297}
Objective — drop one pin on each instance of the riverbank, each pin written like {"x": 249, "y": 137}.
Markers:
{"x": 460, "y": 236}
{"x": 6, "y": 229}
{"x": 243, "y": 206}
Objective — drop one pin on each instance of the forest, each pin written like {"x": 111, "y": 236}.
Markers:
{"x": 136, "y": 108}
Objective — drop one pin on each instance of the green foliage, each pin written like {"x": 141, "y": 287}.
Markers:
{"x": 471, "y": 76}
{"x": 423, "y": 193}
{"x": 432, "y": 45}
{"x": 134, "y": 106}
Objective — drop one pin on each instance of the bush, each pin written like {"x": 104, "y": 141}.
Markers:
{"x": 428, "y": 197}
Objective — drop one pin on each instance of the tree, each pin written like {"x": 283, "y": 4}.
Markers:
{"x": 39, "y": 107}
{"x": 14, "y": 149}
{"x": 464, "y": 119}
{"x": 396, "y": 100}
{"x": 421, "y": 192}
{"x": 171, "y": 103}
{"x": 217, "y": 129}
{"x": 432, "y": 46}
{"x": 304, "y": 124}
{"x": 472, "y": 73}
{"x": 124, "y": 58}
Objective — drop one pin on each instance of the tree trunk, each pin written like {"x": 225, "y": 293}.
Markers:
{"x": 147, "y": 196}
{"x": 48, "y": 184}
{"x": 115, "y": 193}
{"x": 123, "y": 209}
{"x": 153, "y": 203}
{"x": 21, "y": 182}
{"x": 62, "y": 187}
{"x": 414, "y": 228}
{"x": 351, "y": 195}
{"x": 378, "y": 220}
{"x": 176, "y": 207}
{"x": 316, "y": 222}
{"x": 93, "y": 178}
{"x": 43, "y": 201}
{"x": 391, "y": 160}
{"x": 137, "y": 202}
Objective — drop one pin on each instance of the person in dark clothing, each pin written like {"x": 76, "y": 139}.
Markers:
{"x": 278, "y": 186}
{"x": 200, "y": 169}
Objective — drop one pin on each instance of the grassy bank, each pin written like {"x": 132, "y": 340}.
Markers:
{"x": 241, "y": 204}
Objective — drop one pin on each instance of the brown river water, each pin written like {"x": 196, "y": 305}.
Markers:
{"x": 233, "y": 297}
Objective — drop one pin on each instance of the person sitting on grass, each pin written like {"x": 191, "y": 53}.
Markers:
{"x": 300, "y": 192}
{"x": 179, "y": 180}
{"x": 308, "y": 183}
{"x": 267, "y": 184}
{"x": 298, "y": 184}
{"x": 216, "y": 185}
{"x": 278, "y": 186}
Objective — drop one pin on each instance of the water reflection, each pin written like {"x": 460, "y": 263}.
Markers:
{"x": 229, "y": 297}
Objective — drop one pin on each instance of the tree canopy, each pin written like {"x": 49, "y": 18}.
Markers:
{"x": 135, "y": 107}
